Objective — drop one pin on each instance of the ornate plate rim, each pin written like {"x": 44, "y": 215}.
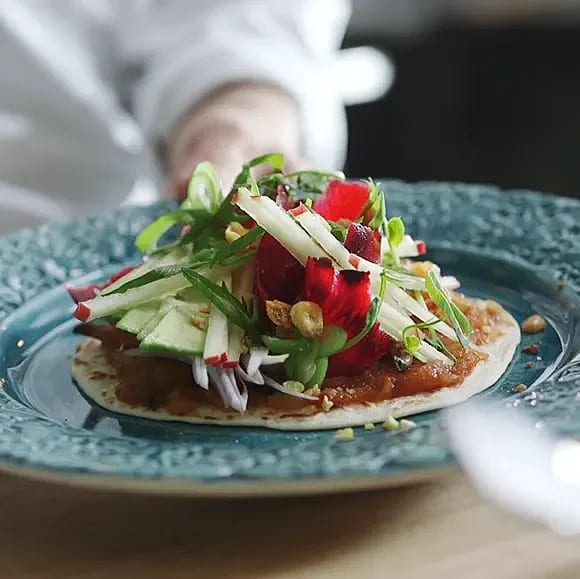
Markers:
{"x": 240, "y": 487}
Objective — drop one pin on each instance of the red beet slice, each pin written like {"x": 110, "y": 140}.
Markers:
{"x": 345, "y": 299}
{"x": 278, "y": 275}
{"x": 343, "y": 200}
{"x": 364, "y": 242}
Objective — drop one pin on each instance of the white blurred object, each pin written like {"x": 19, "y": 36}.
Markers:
{"x": 517, "y": 465}
{"x": 72, "y": 69}
{"x": 363, "y": 74}
{"x": 21, "y": 208}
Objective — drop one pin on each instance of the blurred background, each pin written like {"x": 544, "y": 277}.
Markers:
{"x": 481, "y": 91}
{"x": 478, "y": 91}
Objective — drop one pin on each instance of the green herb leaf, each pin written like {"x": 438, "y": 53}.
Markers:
{"x": 276, "y": 160}
{"x": 412, "y": 342}
{"x": 454, "y": 315}
{"x": 204, "y": 190}
{"x": 395, "y": 231}
{"x": 223, "y": 299}
{"x": 434, "y": 338}
{"x": 228, "y": 250}
{"x": 146, "y": 241}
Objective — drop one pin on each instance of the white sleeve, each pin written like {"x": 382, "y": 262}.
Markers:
{"x": 188, "y": 48}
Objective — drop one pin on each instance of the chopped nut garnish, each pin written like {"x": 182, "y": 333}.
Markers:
{"x": 20, "y": 343}
{"x": 313, "y": 391}
{"x": 307, "y": 317}
{"x": 529, "y": 365}
{"x": 369, "y": 426}
{"x": 234, "y": 231}
{"x": 405, "y": 424}
{"x": 534, "y": 324}
{"x": 199, "y": 323}
{"x": 422, "y": 268}
{"x": 531, "y": 349}
{"x": 344, "y": 434}
{"x": 391, "y": 424}
{"x": 278, "y": 313}
{"x": 327, "y": 404}
{"x": 294, "y": 385}
{"x": 520, "y": 388}
{"x": 246, "y": 344}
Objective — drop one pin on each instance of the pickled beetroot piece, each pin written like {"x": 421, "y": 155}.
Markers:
{"x": 82, "y": 294}
{"x": 364, "y": 242}
{"x": 345, "y": 299}
{"x": 353, "y": 361}
{"x": 343, "y": 200}
{"x": 278, "y": 275}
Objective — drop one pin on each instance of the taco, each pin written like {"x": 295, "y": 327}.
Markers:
{"x": 292, "y": 303}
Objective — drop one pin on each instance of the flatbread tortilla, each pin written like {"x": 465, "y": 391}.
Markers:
{"x": 98, "y": 379}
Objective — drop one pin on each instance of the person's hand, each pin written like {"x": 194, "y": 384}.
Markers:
{"x": 230, "y": 127}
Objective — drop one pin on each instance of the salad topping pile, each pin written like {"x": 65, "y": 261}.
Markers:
{"x": 285, "y": 281}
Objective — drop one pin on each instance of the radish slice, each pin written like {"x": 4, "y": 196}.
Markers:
{"x": 272, "y": 360}
{"x": 256, "y": 378}
{"x": 234, "y": 346}
{"x": 316, "y": 227}
{"x": 410, "y": 248}
{"x": 278, "y": 224}
{"x": 450, "y": 283}
{"x": 199, "y": 372}
{"x": 216, "y": 342}
{"x": 257, "y": 356}
{"x": 226, "y": 386}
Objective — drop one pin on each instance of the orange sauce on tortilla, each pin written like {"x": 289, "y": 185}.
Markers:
{"x": 168, "y": 384}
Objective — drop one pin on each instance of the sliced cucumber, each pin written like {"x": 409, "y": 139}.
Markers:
{"x": 137, "y": 318}
{"x": 104, "y": 306}
{"x": 175, "y": 333}
{"x": 173, "y": 258}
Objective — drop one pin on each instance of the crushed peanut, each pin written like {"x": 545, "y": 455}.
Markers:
{"x": 307, "y": 317}
{"x": 369, "y": 426}
{"x": 313, "y": 391}
{"x": 294, "y": 385}
{"x": 520, "y": 388}
{"x": 532, "y": 349}
{"x": 391, "y": 423}
{"x": 405, "y": 424}
{"x": 422, "y": 268}
{"x": 234, "y": 231}
{"x": 344, "y": 434}
{"x": 278, "y": 313}
{"x": 327, "y": 404}
{"x": 534, "y": 324}
{"x": 199, "y": 323}
{"x": 528, "y": 365}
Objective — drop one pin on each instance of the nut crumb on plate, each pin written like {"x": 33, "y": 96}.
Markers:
{"x": 344, "y": 434}
{"x": 520, "y": 388}
{"x": 534, "y": 324}
{"x": 391, "y": 423}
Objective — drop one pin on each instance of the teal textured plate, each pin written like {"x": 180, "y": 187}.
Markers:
{"x": 522, "y": 249}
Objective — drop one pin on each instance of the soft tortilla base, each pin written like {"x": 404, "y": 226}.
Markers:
{"x": 98, "y": 380}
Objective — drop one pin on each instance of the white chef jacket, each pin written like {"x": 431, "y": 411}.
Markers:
{"x": 87, "y": 86}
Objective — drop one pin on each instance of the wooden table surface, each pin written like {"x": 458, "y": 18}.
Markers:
{"x": 436, "y": 530}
